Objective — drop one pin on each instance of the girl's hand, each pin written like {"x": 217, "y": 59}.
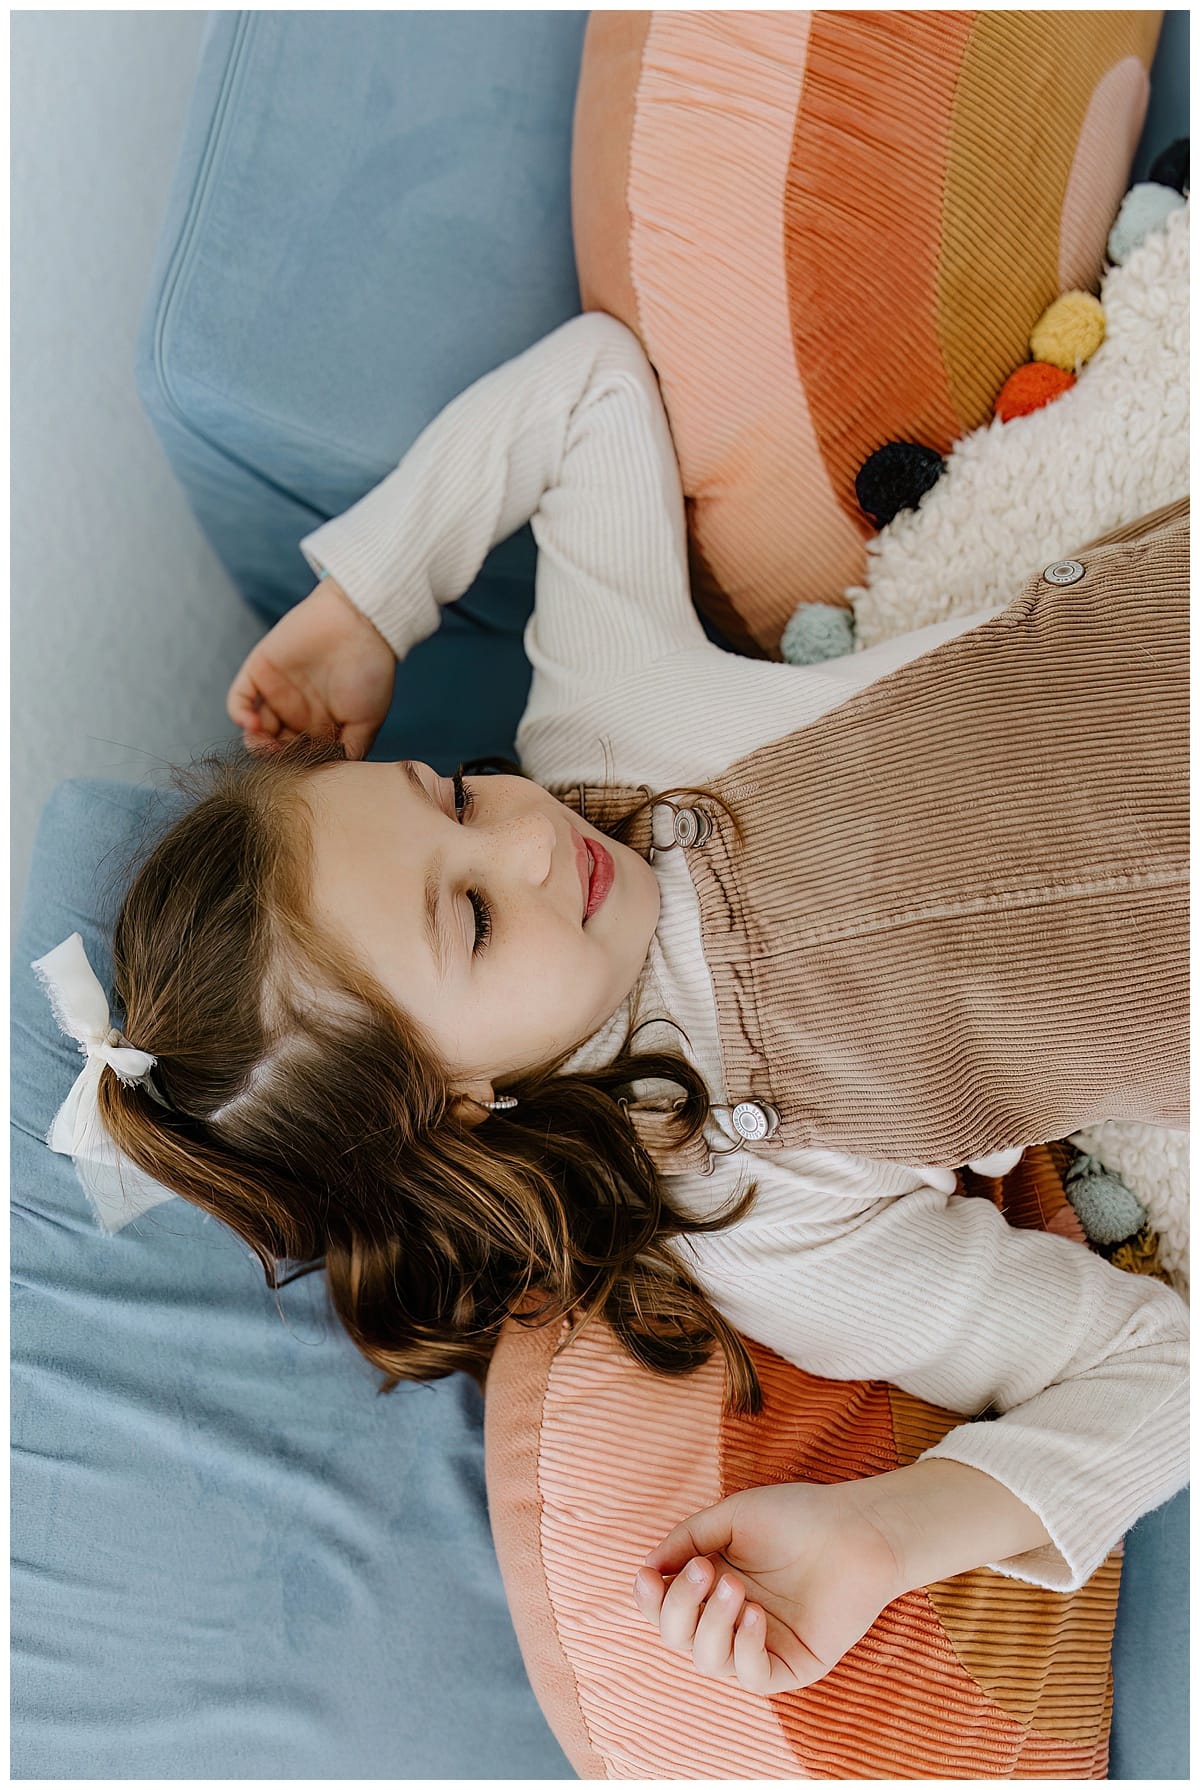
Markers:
{"x": 323, "y": 668}
{"x": 798, "y": 1574}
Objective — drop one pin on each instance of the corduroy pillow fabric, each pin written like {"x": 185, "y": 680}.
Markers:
{"x": 832, "y": 231}
{"x": 591, "y": 1459}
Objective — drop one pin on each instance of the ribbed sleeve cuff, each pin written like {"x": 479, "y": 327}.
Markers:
{"x": 359, "y": 549}
{"x": 1083, "y": 1514}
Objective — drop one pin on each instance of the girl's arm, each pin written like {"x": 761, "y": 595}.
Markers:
{"x": 773, "y": 1584}
{"x": 571, "y": 434}
{"x": 1086, "y": 1364}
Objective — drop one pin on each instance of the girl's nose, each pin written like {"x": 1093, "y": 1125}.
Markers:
{"x": 527, "y": 846}
{"x": 538, "y": 838}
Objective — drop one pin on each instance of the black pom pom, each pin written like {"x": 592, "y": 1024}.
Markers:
{"x": 896, "y": 477}
{"x": 1172, "y": 166}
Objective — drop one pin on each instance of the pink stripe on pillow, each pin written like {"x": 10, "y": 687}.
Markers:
{"x": 1097, "y": 179}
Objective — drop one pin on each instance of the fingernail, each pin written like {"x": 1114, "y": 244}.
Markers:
{"x": 697, "y": 1572}
{"x": 725, "y": 1589}
{"x": 642, "y": 1581}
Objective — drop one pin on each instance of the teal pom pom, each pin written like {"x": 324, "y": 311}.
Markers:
{"x": 1145, "y": 207}
{"x": 1106, "y": 1209}
{"x": 817, "y": 631}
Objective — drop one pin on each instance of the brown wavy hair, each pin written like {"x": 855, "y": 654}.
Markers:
{"x": 309, "y": 1114}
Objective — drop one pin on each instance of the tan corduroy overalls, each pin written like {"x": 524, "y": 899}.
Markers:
{"x": 959, "y": 921}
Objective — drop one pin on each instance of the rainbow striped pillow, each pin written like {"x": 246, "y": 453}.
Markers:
{"x": 832, "y": 230}
{"x": 591, "y": 1459}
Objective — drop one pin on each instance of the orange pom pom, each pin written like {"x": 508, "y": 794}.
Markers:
{"x": 1031, "y": 386}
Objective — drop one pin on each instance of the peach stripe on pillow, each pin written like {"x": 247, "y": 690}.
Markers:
{"x": 717, "y": 100}
{"x": 650, "y": 1444}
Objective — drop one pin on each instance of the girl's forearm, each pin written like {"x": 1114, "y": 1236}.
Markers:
{"x": 942, "y": 1518}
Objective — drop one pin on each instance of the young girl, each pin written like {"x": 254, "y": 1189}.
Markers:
{"x": 417, "y": 1030}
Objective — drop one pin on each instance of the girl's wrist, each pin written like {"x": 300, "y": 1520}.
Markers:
{"x": 345, "y": 606}
{"x": 941, "y": 1518}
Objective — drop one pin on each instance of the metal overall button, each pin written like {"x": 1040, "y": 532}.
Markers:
{"x": 1064, "y": 571}
{"x": 754, "y": 1120}
{"x": 691, "y": 826}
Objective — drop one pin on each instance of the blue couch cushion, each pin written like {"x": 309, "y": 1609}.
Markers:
{"x": 230, "y": 1557}
{"x": 370, "y": 211}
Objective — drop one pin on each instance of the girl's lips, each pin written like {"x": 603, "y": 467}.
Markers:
{"x": 583, "y": 864}
{"x": 603, "y": 873}
{"x": 596, "y": 872}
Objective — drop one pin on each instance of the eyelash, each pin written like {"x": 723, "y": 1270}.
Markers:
{"x": 464, "y": 801}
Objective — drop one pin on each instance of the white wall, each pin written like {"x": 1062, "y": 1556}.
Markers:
{"x": 125, "y": 631}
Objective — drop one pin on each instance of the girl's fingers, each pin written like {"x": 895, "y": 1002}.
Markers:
{"x": 264, "y": 691}
{"x": 241, "y": 704}
{"x": 787, "y": 1663}
{"x": 358, "y": 739}
{"x": 682, "y": 1604}
{"x": 712, "y": 1649}
{"x": 708, "y": 1532}
{"x": 750, "y": 1660}
{"x": 648, "y": 1593}
{"x": 263, "y": 728}
{"x": 246, "y": 696}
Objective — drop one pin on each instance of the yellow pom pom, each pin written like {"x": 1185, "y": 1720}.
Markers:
{"x": 1069, "y": 333}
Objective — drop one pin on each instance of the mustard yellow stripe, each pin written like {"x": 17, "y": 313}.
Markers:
{"x": 1024, "y": 88}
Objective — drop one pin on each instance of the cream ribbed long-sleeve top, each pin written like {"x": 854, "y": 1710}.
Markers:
{"x": 849, "y": 1267}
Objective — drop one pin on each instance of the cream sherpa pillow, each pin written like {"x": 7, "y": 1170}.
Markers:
{"x": 1015, "y": 496}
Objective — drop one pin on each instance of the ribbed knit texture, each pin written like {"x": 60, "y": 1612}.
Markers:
{"x": 849, "y": 1267}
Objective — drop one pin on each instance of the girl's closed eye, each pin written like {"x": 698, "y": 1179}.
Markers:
{"x": 464, "y": 801}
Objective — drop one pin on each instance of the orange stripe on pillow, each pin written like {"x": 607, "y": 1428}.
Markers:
{"x": 948, "y": 1682}
{"x": 863, "y": 226}
{"x": 708, "y": 168}
{"x": 822, "y": 1431}
{"x": 899, "y": 1705}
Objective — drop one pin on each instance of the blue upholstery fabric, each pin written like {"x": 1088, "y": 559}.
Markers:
{"x": 1150, "y": 1648}
{"x": 1167, "y": 116}
{"x": 231, "y": 1558}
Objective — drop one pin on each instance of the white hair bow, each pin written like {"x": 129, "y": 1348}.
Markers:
{"x": 117, "y": 1188}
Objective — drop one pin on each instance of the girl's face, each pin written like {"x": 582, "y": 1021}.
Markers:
{"x": 514, "y": 975}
